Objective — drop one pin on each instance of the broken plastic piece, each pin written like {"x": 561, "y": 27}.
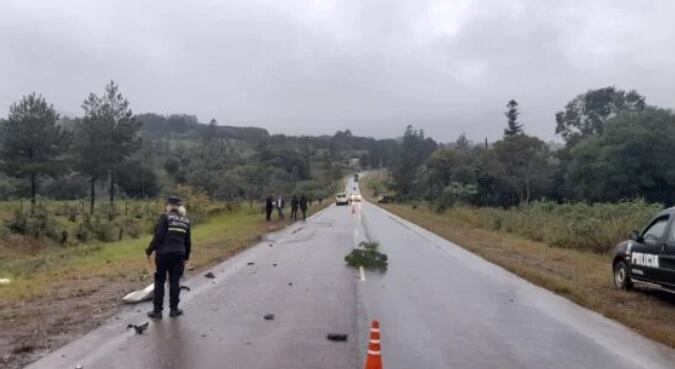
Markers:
{"x": 337, "y": 337}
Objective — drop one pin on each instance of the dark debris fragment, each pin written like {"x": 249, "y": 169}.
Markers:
{"x": 338, "y": 337}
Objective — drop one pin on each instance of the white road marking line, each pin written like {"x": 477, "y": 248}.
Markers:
{"x": 363, "y": 273}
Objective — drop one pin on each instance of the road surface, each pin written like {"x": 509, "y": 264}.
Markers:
{"x": 439, "y": 306}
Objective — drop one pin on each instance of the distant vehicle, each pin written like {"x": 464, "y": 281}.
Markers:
{"x": 355, "y": 197}
{"x": 384, "y": 198}
{"x": 648, "y": 257}
{"x": 356, "y": 177}
{"x": 341, "y": 199}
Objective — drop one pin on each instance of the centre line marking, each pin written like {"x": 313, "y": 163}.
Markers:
{"x": 363, "y": 273}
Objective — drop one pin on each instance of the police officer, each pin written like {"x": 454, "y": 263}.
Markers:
{"x": 269, "y": 205}
{"x": 171, "y": 245}
{"x": 294, "y": 208}
{"x": 303, "y": 206}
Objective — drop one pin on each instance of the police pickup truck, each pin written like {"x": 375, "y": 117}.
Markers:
{"x": 648, "y": 257}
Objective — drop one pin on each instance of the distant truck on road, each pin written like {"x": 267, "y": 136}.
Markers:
{"x": 356, "y": 177}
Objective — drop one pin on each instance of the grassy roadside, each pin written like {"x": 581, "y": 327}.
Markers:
{"x": 581, "y": 276}
{"x": 58, "y": 293}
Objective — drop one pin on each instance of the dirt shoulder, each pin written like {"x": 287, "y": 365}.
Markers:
{"x": 59, "y": 294}
{"x": 583, "y": 277}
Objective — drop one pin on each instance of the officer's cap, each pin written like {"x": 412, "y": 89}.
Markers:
{"x": 174, "y": 200}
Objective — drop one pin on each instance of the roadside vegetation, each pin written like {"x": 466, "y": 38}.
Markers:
{"x": 561, "y": 247}
{"x": 79, "y": 197}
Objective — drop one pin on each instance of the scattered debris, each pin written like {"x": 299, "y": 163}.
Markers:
{"x": 210, "y": 275}
{"x": 271, "y": 245}
{"x": 367, "y": 256}
{"x": 139, "y": 328}
{"x": 186, "y": 288}
{"x": 79, "y": 366}
{"x": 511, "y": 300}
{"x": 274, "y": 265}
{"x": 269, "y": 317}
{"x": 140, "y": 295}
{"x": 203, "y": 335}
{"x": 5, "y": 281}
{"x": 337, "y": 337}
{"x": 23, "y": 348}
{"x": 250, "y": 263}
{"x": 290, "y": 283}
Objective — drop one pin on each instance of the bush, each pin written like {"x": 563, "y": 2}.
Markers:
{"x": 367, "y": 256}
{"x": 36, "y": 223}
{"x": 455, "y": 193}
{"x": 597, "y": 227}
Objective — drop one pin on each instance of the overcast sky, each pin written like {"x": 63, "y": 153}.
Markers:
{"x": 313, "y": 67}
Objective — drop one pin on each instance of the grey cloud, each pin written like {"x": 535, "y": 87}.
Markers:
{"x": 318, "y": 66}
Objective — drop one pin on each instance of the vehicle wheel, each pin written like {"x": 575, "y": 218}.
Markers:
{"x": 621, "y": 278}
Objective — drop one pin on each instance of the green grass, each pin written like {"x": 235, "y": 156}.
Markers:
{"x": 594, "y": 227}
{"x": 34, "y": 275}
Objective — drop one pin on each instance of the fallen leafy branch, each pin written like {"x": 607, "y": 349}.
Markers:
{"x": 367, "y": 256}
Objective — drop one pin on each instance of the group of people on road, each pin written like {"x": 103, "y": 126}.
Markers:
{"x": 279, "y": 203}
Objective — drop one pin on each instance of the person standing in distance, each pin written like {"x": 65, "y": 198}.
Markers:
{"x": 303, "y": 206}
{"x": 171, "y": 243}
{"x": 269, "y": 205}
{"x": 294, "y": 208}
{"x": 280, "y": 207}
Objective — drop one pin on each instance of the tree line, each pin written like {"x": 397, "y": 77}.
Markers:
{"x": 614, "y": 147}
{"x": 110, "y": 149}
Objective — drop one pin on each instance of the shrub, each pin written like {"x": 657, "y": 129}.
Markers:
{"x": 36, "y": 223}
{"x": 596, "y": 227}
{"x": 367, "y": 256}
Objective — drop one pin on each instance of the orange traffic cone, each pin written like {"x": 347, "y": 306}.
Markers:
{"x": 374, "y": 359}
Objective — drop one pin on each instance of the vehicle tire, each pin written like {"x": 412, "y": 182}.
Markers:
{"x": 621, "y": 278}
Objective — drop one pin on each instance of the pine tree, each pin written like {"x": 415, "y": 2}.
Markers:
{"x": 31, "y": 143}
{"x": 514, "y": 128}
{"x": 105, "y": 137}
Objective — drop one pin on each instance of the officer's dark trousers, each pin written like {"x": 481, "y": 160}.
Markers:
{"x": 268, "y": 211}
{"x": 294, "y": 213}
{"x": 173, "y": 264}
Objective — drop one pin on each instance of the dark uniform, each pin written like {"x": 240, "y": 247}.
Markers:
{"x": 294, "y": 208}
{"x": 269, "y": 206}
{"x": 303, "y": 206}
{"x": 172, "y": 244}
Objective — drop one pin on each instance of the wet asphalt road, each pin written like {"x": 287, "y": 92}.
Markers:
{"x": 439, "y": 307}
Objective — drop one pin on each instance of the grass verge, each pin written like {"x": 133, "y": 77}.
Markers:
{"x": 59, "y": 293}
{"x": 581, "y": 276}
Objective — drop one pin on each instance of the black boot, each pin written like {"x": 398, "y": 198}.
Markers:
{"x": 155, "y": 314}
{"x": 175, "y": 312}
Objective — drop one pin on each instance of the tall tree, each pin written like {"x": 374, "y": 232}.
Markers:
{"x": 632, "y": 159}
{"x": 105, "y": 137}
{"x": 587, "y": 114}
{"x": 415, "y": 149}
{"x": 31, "y": 144}
{"x": 524, "y": 164}
{"x": 512, "y": 113}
